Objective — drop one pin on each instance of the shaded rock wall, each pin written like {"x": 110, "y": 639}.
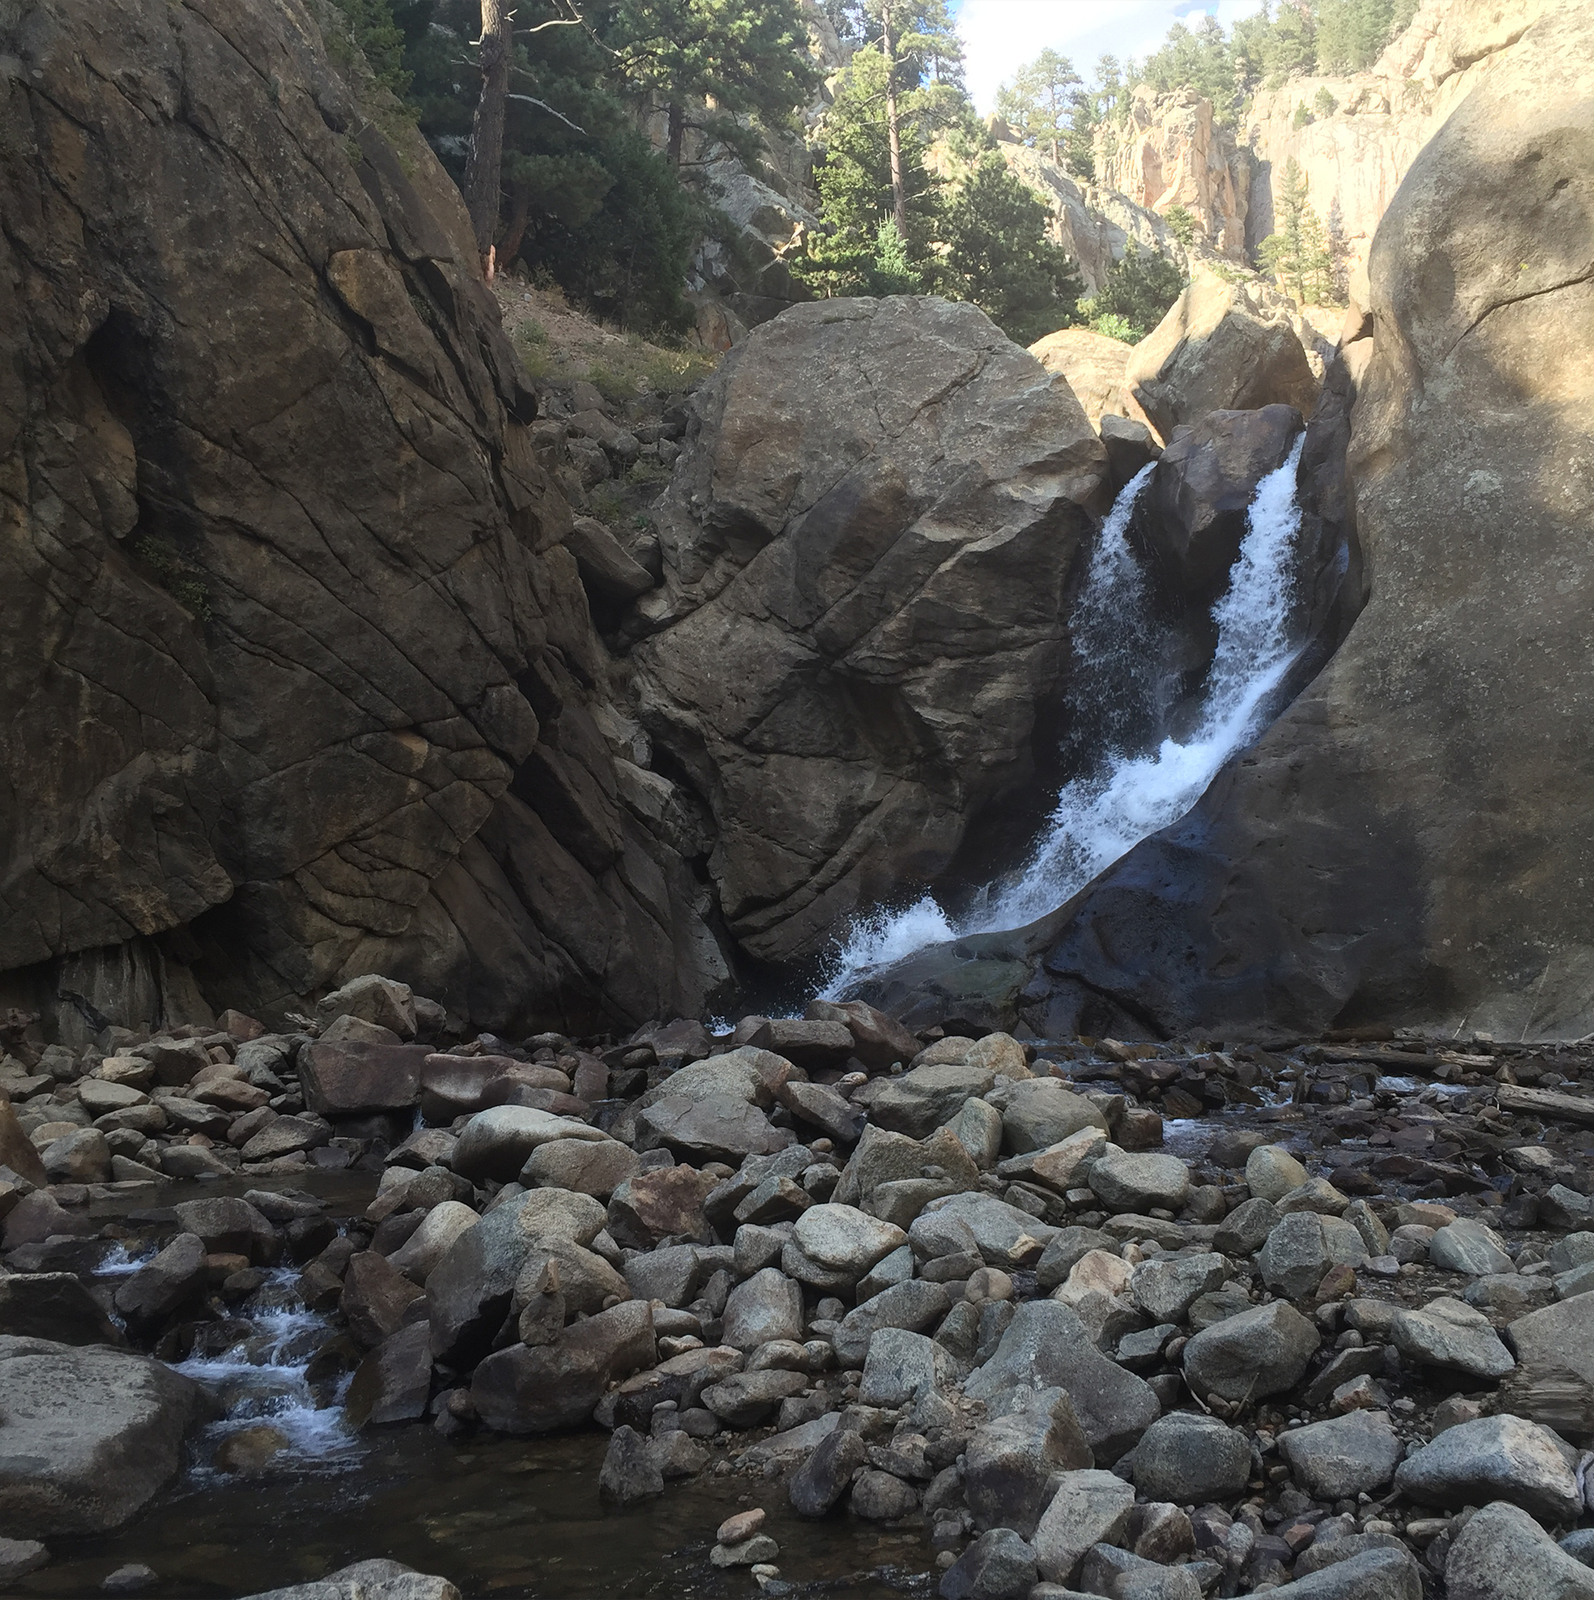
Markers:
{"x": 1409, "y": 842}
{"x": 295, "y": 662}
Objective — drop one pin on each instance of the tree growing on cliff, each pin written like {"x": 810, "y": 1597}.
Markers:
{"x": 999, "y": 257}
{"x": 1039, "y": 102}
{"x": 1136, "y": 296}
{"x": 1298, "y": 254}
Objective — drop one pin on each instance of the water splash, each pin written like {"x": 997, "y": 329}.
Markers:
{"x": 1100, "y": 817}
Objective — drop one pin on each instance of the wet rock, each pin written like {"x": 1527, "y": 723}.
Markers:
{"x": 1493, "y": 1458}
{"x": 879, "y": 1497}
{"x": 1271, "y": 1172}
{"x": 914, "y": 1305}
{"x": 998, "y": 1565}
{"x": 748, "y": 1553}
{"x": 629, "y": 1472}
{"x": 284, "y": 1136}
{"x": 1503, "y": 1553}
{"x": 376, "y": 1298}
{"x": 1005, "y": 1235}
{"x": 393, "y": 1383}
{"x": 827, "y": 1472}
{"x": 845, "y": 1239}
{"x": 1045, "y": 1112}
{"x": 1126, "y": 1181}
{"x": 541, "y": 1389}
{"x": 230, "y": 1227}
{"x": 368, "y": 1580}
{"x": 1340, "y": 1458}
{"x": 1449, "y": 1333}
{"x": 1260, "y": 1352}
{"x": 746, "y": 1399}
{"x": 655, "y": 1205}
{"x": 425, "y": 1248}
{"x": 1469, "y": 1246}
{"x": 1165, "y": 1288}
{"x": 1090, "y": 1507}
{"x": 19, "y": 1557}
{"x": 1302, "y": 1247}
{"x": 1047, "y": 1346}
{"x": 88, "y": 1435}
{"x": 250, "y": 1451}
{"x": 1012, "y": 1463}
{"x": 498, "y": 1142}
{"x": 53, "y": 1305}
{"x": 132, "y": 1578}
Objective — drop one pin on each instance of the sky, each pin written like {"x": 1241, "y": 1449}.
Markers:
{"x": 999, "y": 36}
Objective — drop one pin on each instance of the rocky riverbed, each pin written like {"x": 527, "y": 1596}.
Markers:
{"x": 791, "y": 1305}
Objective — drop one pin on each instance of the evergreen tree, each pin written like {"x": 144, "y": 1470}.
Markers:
{"x": 999, "y": 257}
{"x": 1039, "y": 102}
{"x": 1181, "y": 224}
{"x": 1299, "y": 253}
{"x": 1137, "y": 294}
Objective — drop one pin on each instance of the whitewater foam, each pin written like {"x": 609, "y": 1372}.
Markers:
{"x": 1100, "y": 817}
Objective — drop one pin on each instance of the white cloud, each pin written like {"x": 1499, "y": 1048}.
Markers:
{"x": 999, "y": 36}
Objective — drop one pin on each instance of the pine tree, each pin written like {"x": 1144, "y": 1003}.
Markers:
{"x": 1136, "y": 296}
{"x": 1300, "y": 254}
{"x": 999, "y": 257}
{"x": 1039, "y": 101}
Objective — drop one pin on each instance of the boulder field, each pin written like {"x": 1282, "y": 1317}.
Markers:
{"x": 954, "y": 1283}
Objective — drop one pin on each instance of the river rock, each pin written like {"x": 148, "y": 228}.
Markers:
{"x": 1089, "y": 1507}
{"x": 1005, "y": 1236}
{"x": 81, "y": 1156}
{"x": 350, "y": 1077}
{"x": 914, "y": 1305}
{"x": 376, "y": 1298}
{"x": 586, "y": 1280}
{"x": 17, "y": 1150}
{"x": 1503, "y": 1553}
{"x": 903, "y": 1368}
{"x": 746, "y": 1399}
{"x": 824, "y": 1108}
{"x": 543, "y": 1388}
{"x": 1044, "y": 1112}
{"x": 595, "y": 1167}
{"x": 1187, "y": 1457}
{"x": 1217, "y": 350}
{"x": 846, "y": 1239}
{"x": 1244, "y": 1231}
{"x": 88, "y": 1436}
{"x": 998, "y": 1565}
{"x": 496, "y": 1143}
{"x": 658, "y": 1204}
{"x": 394, "y": 1382}
{"x": 1166, "y": 1287}
{"x": 1341, "y": 1458}
{"x": 1133, "y": 1181}
{"x": 1271, "y": 1172}
{"x": 1258, "y": 1353}
{"x": 881, "y": 1497}
{"x": 1302, "y": 1247}
{"x": 629, "y": 1472}
{"x": 1012, "y": 1462}
{"x": 425, "y": 1248}
{"x": 230, "y": 1226}
{"x": 19, "y": 1557}
{"x": 1449, "y": 1333}
{"x": 1501, "y": 1457}
{"x": 1468, "y": 1246}
{"x": 368, "y": 1580}
{"x": 922, "y": 1099}
{"x": 1046, "y": 1346}
{"x": 1555, "y": 1352}
{"x": 827, "y": 1472}
{"x": 53, "y": 1305}
{"x": 767, "y": 1306}
{"x": 469, "y": 1290}
{"x": 1378, "y": 1574}
{"x": 372, "y": 998}
{"x": 878, "y": 1040}
{"x": 1066, "y": 1249}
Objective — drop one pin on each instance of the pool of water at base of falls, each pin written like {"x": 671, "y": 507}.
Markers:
{"x": 497, "y": 1517}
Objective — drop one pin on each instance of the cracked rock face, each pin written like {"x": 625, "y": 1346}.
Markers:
{"x": 867, "y": 552}
{"x": 289, "y": 609}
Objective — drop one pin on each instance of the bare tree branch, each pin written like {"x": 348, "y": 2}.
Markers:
{"x": 531, "y": 101}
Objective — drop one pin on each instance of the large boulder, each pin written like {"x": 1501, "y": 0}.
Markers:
{"x": 1502, "y": 1552}
{"x": 1218, "y": 349}
{"x": 863, "y": 615}
{"x": 1093, "y": 366}
{"x": 293, "y": 443}
{"x": 368, "y": 1580}
{"x": 1384, "y": 850}
{"x": 88, "y": 1436}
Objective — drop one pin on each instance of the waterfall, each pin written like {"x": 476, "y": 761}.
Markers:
{"x": 1101, "y": 816}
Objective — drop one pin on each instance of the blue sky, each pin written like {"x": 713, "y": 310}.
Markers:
{"x": 1000, "y": 35}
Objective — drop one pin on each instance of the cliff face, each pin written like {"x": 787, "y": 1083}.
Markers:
{"x": 1355, "y": 156}
{"x": 298, "y": 671}
{"x": 1409, "y": 842}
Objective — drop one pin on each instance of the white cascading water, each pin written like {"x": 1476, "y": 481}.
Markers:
{"x": 1100, "y": 818}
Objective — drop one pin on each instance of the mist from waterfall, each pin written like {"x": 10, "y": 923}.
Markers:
{"x": 1100, "y": 817}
